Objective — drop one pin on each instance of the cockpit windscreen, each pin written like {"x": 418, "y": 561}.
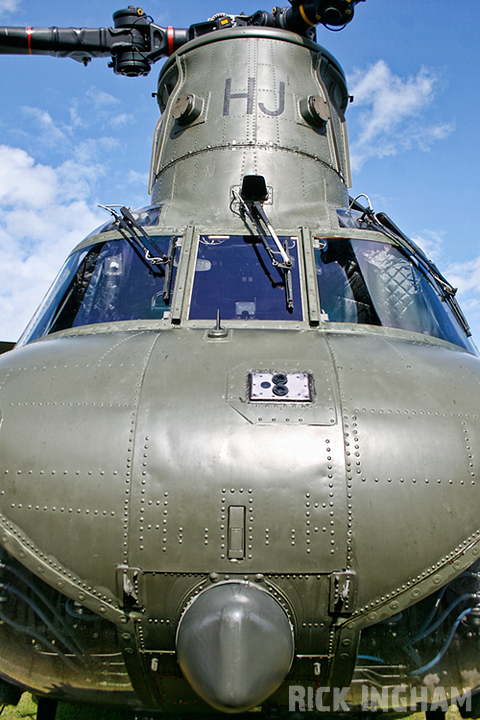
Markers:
{"x": 108, "y": 282}
{"x": 235, "y": 275}
{"x": 374, "y": 283}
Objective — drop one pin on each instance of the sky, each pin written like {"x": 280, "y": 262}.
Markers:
{"x": 73, "y": 136}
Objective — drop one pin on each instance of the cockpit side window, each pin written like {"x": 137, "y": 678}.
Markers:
{"x": 374, "y": 283}
{"x": 108, "y": 282}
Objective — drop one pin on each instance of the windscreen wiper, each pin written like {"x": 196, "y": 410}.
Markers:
{"x": 253, "y": 193}
{"x": 256, "y": 214}
{"x": 167, "y": 283}
{"x": 284, "y": 269}
{"x": 138, "y": 238}
{"x": 429, "y": 270}
{"x": 288, "y": 280}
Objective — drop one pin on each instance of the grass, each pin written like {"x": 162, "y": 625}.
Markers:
{"x": 27, "y": 708}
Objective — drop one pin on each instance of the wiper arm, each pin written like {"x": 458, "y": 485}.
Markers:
{"x": 285, "y": 276}
{"x": 167, "y": 283}
{"x": 133, "y": 232}
{"x": 428, "y": 269}
{"x": 260, "y": 213}
{"x": 288, "y": 281}
{"x": 253, "y": 209}
{"x": 256, "y": 214}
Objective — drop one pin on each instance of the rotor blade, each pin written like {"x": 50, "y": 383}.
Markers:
{"x": 60, "y": 42}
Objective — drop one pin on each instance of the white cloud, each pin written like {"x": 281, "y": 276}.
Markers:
{"x": 47, "y": 132}
{"x": 91, "y": 149}
{"x": 431, "y": 242}
{"x": 465, "y": 276}
{"x": 75, "y": 118}
{"x": 46, "y": 212}
{"x": 62, "y": 137}
{"x": 390, "y": 112}
{"x": 8, "y": 6}
{"x": 122, "y": 119}
{"x": 137, "y": 177}
{"x": 48, "y": 192}
{"x": 21, "y": 182}
{"x": 101, "y": 99}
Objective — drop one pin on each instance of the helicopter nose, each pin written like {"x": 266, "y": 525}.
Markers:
{"x": 235, "y": 646}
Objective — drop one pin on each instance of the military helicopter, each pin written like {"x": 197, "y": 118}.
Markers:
{"x": 235, "y": 408}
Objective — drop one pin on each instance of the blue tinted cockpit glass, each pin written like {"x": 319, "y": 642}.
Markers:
{"x": 374, "y": 283}
{"x": 235, "y": 275}
{"x": 107, "y": 282}
{"x": 147, "y": 216}
{"x": 354, "y": 219}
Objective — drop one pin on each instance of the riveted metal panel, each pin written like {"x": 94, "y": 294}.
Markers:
{"x": 320, "y": 410}
{"x": 196, "y": 454}
{"x": 69, "y": 410}
{"x": 412, "y": 434}
{"x": 250, "y": 121}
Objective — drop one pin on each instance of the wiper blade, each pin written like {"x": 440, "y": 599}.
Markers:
{"x": 135, "y": 235}
{"x": 260, "y": 213}
{"x": 167, "y": 283}
{"x": 256, "y": 214}
{"x": 288, "y": 281}
{"x": 429, "y": 270}
{"x": 253, "y": 209}
{"x": 284, "y": 273}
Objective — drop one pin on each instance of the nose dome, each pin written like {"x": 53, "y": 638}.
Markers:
{"x": 235, "y": 646}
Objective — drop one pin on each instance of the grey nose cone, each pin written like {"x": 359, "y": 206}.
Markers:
{"x": 235, "y": 646}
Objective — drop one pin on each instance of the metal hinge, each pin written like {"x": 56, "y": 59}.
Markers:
{"x": 343, "y": 592}
{"x": 129, "y": 587}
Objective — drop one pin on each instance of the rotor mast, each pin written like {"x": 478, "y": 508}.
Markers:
{"x": 135, "y": 42}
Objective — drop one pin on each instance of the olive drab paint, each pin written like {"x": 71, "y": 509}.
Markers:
{"x": 239, "y": 441}
{"x": 251, "y": 117}
{"x": 250, "y": 98}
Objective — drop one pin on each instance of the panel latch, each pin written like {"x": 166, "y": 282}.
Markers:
{"x": 236, "y": 532}
{"x": 129, "y": 591}
{"x": 343, "y": 592}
